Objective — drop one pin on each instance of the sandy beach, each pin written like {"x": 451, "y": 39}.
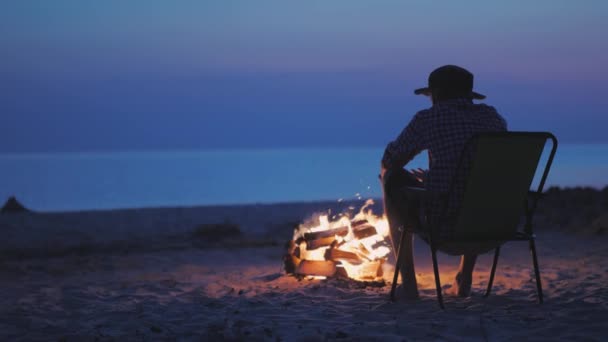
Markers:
{"x": 216, "y": 170}
{"x": 153, "y": 274}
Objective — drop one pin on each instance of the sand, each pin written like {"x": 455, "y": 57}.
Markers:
{"x": 238, "y": 291}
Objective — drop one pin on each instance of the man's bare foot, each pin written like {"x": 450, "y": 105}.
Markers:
{"x": 461, "y": 286}
{"x": 407, "y": 292}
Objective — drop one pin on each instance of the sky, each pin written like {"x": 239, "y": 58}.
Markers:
{"x": 180, "y": 75}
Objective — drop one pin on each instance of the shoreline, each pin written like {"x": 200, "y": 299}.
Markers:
{"x": 40, "y": 234}
{"x": 330, "y": 202}
{"x": 571, "y": 210}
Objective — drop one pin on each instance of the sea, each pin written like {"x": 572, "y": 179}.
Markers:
{"x": 111, "y": 180}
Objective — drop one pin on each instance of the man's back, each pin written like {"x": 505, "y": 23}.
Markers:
{"x": 443, "y": 130}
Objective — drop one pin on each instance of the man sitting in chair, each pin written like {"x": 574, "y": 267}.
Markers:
{"x": 442, "y": 130}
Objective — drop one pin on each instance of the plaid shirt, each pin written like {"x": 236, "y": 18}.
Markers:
{"x": 443, "y": 130}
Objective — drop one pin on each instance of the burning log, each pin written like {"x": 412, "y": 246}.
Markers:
{"x": 338, "y": 254}
{"x": 363, "y": 229}
{"x": 323, "y": 242}
{"x": 291, "y": 259}
{"x": 340, "y": 231}
{"x": 316, "y": 268}
{"x": 347, "y": 248}
{"x": 371, "y": 270}
{"x": 323, "y": 238}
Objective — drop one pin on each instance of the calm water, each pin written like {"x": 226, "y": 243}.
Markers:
{"x": 141, "y": 179}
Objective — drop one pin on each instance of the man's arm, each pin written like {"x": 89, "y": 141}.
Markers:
{"x": 408, "y": 144}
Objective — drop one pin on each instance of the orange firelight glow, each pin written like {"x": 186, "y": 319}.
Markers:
{"x": 364, "y": 254}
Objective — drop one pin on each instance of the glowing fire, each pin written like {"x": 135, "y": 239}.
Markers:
{"x": 356, "y": 247}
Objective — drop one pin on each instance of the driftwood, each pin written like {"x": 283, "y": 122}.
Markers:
{"x": 316, "y": 268}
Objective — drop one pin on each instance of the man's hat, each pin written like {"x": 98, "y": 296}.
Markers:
{"x": 453, "y": 79}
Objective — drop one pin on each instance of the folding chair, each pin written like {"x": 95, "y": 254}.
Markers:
{"x": 497, "y": 193}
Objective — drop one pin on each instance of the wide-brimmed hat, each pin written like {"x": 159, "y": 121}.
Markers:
{"x": 453, "y": 79}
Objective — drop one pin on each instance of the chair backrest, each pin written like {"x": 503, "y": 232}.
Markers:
{"x": 499, "y": 179}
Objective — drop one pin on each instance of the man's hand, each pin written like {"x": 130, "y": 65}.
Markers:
{"x": 419, "y": 174}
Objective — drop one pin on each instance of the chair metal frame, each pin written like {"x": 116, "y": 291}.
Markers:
{"x": 527, "y": 234}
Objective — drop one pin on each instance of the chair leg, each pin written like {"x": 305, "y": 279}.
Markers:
{"x": 437, "y": 281}
{"x": 397, "y": 266}
{"x": 493, "y": 271}
{"x": 539, "y": 286}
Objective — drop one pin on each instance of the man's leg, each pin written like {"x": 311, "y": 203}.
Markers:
{"x": 407, "y": 271}
{"x": 396, "y": 207}
{"x": 464, "y": 277}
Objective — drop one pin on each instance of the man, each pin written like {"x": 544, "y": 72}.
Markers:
{"x": 442, "y": 130}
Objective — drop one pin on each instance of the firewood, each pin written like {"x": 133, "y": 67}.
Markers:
{"x": 363, "y": 229}
{"x": 340, "y": 231}
{"x": 338, "y": 254}
{"x": 364, "y": 250}
{"x": 291, "y": 259}
{"x": 316, "y": 268}
{"x": 358, "y": 223}
{"x": 290, "y": 263}
{"x": 314, "y": 244}
{"x": 371, "y": 270}
{"x": 341, "y": 273}
{"x": 296, "y": 252}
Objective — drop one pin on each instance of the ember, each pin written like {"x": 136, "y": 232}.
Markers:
{"x": 354, "y": 248}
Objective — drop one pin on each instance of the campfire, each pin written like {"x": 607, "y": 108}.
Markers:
{"x": 347, "y": 247}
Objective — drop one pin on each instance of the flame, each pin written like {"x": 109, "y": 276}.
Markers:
{"x": 370, "y": 251}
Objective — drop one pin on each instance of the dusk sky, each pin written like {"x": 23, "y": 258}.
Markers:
{"x": 149, "y": 75}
